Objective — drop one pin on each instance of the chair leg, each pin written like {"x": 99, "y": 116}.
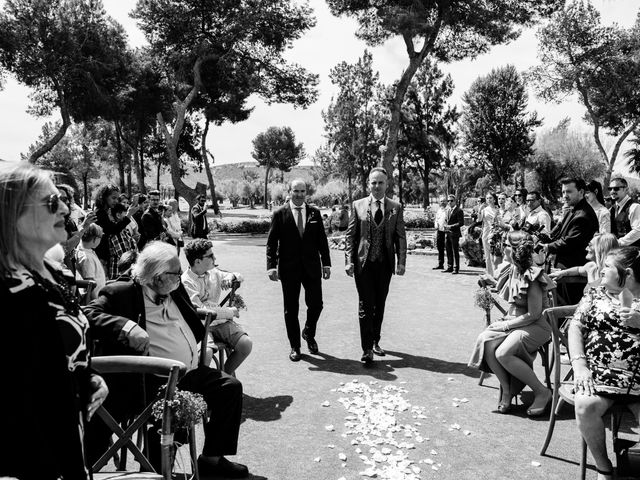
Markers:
{"x": 483, "y": 377}
{"x": 550, "y": 428}
{"x": 583, "y": 460}
{"x": 193, "y": 450}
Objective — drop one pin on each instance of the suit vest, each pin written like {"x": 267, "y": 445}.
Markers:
{"x": 378, "y": 244}
{"x": 621, "y": 224}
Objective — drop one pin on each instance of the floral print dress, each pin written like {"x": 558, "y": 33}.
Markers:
{"x": 612, "y": 350}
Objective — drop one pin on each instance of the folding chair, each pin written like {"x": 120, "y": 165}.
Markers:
{"x": 141, "y": 365}
{"x": 563, "y": 385}
{"x": 89, "y": 286}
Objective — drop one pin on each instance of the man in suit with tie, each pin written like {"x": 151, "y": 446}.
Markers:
{"x": 455, "y": 220}
{"x": 298, "y": 256}
{"x": 570, "y": 237}
{"x": 375, "y": 236}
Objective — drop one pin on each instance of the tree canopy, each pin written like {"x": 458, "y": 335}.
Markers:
{"x": 276, "y": 148}
{"x": 69, "y": 52}
{"x": 601, "y": 64}
{"x": 447, "y": 29}
{"x": 498, "y": 130}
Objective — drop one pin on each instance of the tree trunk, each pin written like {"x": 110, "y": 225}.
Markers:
{"x": 158, "y": 170}
{"x": 85, "y": 189}
{"x": 415, "y": 60}
{"x": 400, "y": 182}
{"x": 66, "y": 122}
{"x": 266, "y": 184}
{"x": 119, "y": 153}
{"x": 143, "y": 189}
{"x": 205, "y": 158}
{"x": 425, "y": 182}
{"x": 350, "y": 187}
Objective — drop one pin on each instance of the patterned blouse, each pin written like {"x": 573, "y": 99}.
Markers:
{"x": 612, "y": 350}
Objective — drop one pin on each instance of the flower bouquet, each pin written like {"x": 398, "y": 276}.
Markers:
{"x": 187, "y": 408}
{"x": 484, "y": 300}
{"x": 238, "y": 302}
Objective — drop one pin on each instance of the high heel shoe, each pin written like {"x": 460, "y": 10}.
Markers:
{"x": 503, "y": 408}
{"x": 607, "y": 473}
{"x": 537, "y": 411}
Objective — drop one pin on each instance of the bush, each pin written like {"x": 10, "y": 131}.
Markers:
{"x": 259, "y": 225}
{"x": 424, "y": 219}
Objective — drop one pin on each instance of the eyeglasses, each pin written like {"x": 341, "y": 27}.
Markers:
{"x": 173, "y": 274}
{"x": 518, "y": 195}
{"x": 615, "y": 189}
{"x": 52, "y": 202}
{"x": 450, "y": 200}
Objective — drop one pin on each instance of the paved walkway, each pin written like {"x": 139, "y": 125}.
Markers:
{"x": 430, "y": 326}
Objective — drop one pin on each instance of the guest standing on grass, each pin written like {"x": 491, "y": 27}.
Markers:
{"x": 455, "y": 221}
{"x": 374, "y": 238}
{"x": 106, "y": 197}
{"x": 199, "y": 224}
{"x": 440, "y": 224}
{"x": 298, "y": 256}
{"x": 152, "y": 227}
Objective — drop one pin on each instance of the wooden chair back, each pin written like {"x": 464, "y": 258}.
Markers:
{"x": 172, "y": 369}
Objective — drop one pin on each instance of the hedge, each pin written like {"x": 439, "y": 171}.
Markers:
{"x": 424, "y": 219}
{"x": 253, "y": 225}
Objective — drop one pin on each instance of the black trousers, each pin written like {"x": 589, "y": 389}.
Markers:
{"x": 291, "y": 285}
{"x": 372, "y": 285}
{"x": 221, "y": 392}
{"x": 440, "y": 246}
{"x": 453, "y": 251}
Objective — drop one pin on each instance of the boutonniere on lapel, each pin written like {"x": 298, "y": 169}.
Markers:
{"x": 393, "y": 211}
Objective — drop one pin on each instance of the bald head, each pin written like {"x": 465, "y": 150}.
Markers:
{"x": 298, "y": 191}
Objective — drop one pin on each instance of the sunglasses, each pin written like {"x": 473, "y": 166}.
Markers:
{"x": 615, "y": 189}
{"x": 211, "y": 256}
{"x": 52, "y": 202}
{"x": 518, "y": 195}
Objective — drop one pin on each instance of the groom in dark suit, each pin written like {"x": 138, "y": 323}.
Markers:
{"x": 455, "y": 220}
{"x": 298, "y": 255}
{"x": 375, "y": 236}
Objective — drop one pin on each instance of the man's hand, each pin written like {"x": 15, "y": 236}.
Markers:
{"x": 138, "y": 339}
{"x": 99, "y": 392}
{"x": 273, "y": 275}
{"x": 400, "y": 269}
{"x": 349, "y": 269}
{"x": 630, "y": 317}
{"x": 545, "y": 247}
{"x": 326, "y": 273}
{"x": 236, "y": 312}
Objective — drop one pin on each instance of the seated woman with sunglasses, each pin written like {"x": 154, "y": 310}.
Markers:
{"x": 508, "y": 347}
{"x": 49, "y": 389}
{"x": 604, "y": 342}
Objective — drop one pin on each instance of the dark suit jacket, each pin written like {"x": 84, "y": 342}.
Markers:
{"x": 357, "y": 237}
{"x": 151, "y": 227}
{"x": 570, "y": 237}
{"x": 456, "y": 220}
{"x": 293, "y": 255}
{"x": 120, "y": 302}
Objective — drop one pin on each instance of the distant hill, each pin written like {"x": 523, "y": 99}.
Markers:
{"x": 236, "y": 171}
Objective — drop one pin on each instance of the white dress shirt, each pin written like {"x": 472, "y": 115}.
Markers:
{"x": 373, "y": 205}
{"x": 169, "y": 334}
{"x": 539, "y": 216}
{"x": 205, "y": 290}
{"x": 441, "y": 218}
{"x": 303, "y": 211}
{"x": 634, "y": 218}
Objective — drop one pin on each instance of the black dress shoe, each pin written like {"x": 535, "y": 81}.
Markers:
{"x": 439, "y": 267}
{"x": 223, "y": 468}
{"x": 456, "y": 271}
{"x": 377, "y": 350}
{"x": 311, "y": 342}
{"x": 294, "y": 356}
{"x": 448, "y": 270}
{"x": 367, "y": 357}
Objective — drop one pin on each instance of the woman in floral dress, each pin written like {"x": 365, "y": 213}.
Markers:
{"x": 604, "y": 342}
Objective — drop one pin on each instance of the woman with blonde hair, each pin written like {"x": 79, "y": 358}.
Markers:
{"x": 597, "y": 250}
{"x": 50, "y": 391}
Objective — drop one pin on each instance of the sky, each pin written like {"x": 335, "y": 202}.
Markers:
{"x": 330, "y": 42}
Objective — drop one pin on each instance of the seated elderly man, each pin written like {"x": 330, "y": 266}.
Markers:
{"x": 152, "y": 314}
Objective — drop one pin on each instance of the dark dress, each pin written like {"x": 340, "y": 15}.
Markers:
{"x": 43, "y": 348}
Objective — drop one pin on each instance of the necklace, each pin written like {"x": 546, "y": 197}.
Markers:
{"x": 58, "y": 292}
